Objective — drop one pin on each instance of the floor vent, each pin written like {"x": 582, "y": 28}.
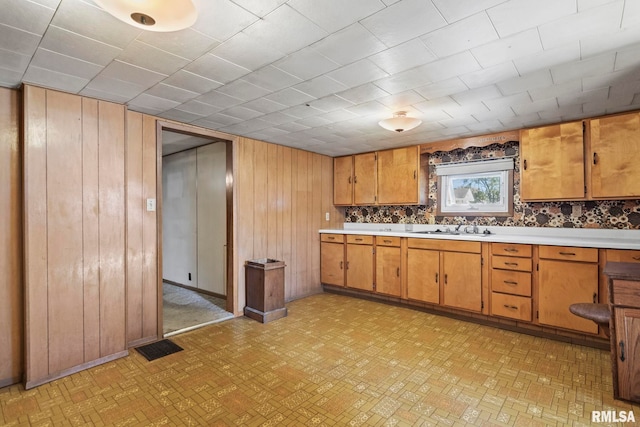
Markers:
{"x": 158, "y": 349}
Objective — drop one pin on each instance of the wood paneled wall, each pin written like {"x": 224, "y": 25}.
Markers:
{"x": 142, "y": 253}
{"x": 74, "y": 235}
{"x": 11, "y": 286}
{"x": 282, "y": 197}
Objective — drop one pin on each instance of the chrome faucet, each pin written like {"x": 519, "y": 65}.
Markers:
{"x": 458, "y": 227}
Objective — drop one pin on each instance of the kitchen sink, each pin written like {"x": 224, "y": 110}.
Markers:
{"x": 451, "y": 233}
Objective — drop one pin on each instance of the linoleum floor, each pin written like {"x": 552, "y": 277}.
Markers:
{"x": 334, "y": 361}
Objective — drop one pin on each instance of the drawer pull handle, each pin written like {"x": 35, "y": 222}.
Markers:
{"x": 341, "y": 263}
{"x": 595, "y": 158}
{"x": 510, "y": 250}
{"x": 510, "y": 282}
{"x": 398, "y": 272}
{"x": 637, "y": 258}
{"x": 355, "y": 179}
{"x": 525, "y": 164}
{"x": 436, "y": 277}
{"x": 511, "y": 263}
{"x": 358, "y": 240}
{"x": 512, "y": 307}
{"x": 567, "y": 253}
{"x": 347, "y": 265}
{"x": 331, "y": 238}
{"x": 445, "y": 279}
{"x": 595, "y": 298}
{"x": 387, "y": 241}
{"x": 622, "y": 351}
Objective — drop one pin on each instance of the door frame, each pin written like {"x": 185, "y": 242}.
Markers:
{"x": 230, "y": 141}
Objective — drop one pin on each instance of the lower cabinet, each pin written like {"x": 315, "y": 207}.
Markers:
{"x": 567, "y": 275}
{"x": 451, "y": 277}
{"x": 332, "y": 259}
{"x": 388, "y": 256}
{"x": 359, "y": 263}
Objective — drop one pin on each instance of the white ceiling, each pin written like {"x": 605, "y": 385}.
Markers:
{"x": 319, "y": 75}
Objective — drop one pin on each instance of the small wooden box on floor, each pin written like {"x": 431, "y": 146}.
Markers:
{"x": 265, "y": 289}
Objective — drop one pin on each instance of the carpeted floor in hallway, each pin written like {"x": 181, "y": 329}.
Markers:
{"x": 184, "y": 309}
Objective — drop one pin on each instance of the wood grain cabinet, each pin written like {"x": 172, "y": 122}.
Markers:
{"x": 614, "y": 157}
{"x": 354, "y": 180}
{"x": 398, "y": 176}
{"x": 388, "y": 266}
{"x": 332, "y": 263}
{"x": 566, "y": 275}
{"x": 624, "y": 299}
{"x": 450, "y": 271}
{"x": 359, "y": 263}
{"x": 511, "y": 267}
{"x": 552, "y": 162}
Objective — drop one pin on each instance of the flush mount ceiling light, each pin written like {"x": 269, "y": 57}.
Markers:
{"x": 400, "y": 122}
{"x": 152, "y": 15}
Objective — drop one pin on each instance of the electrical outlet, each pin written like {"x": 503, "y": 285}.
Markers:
{"x": 576, "y": 210}
{"x": 151, "y": 205}
{"x": 326, "y": 216}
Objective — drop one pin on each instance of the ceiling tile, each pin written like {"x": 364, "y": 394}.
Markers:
{"x": 476, "y": 95}
{"x": 301, "y": 111}
{"x": 401, "y": 100}
{"x": 454, "y": 11}
{"x": 286, "y": 30}
{"x": 248, "y": 52}
{"x": 215, "y": 68}
{"x": 260, "y": 7}
{"x": 53, "y": 79}
{"x": 243, "y": 90}
{"x": 271, "y": 78}
{"x": 506, "y": 49}
{"x": 246, "y": 126}
{"x": 306, "y": 64}
{"x": 531, "y": 107}
{"x": 64, "y": 64}
{"x": 584, "y": 97}
{"x": 364, "y": 93}
{"x": 18, "y": 41}
{"x": 289, "y": 97}
{"x": 130, "y": 73}
{"x": 219, "y": 99}
{"x": 403, "y": 81}
{"x": 597, "y": 44}
{"x": 292, "y": 127}
{"x": 602, "y": 20}
{"x": 320, "y": 86}
{"x": 264, "y": 105}
{"x": 162, "y": 90}
{"x": 491, "y": 75}
{"x": 628, "y": 58}
{"x": 357, "y": 73}
{"x": 148, "y": 57}
{"x": 99, "y": 90}
{"x": 404, "y": 21}
{"x": 586, "y": 68}
{"x": 442, "y": 88}
{"x": 26, "y": 15}
{"x": 191, "y": 82}
{"x": 221, "y": 19}
{"x": 73, "y": 15}
{"x": 466, "y": 34}
{"x": 349, "y": 45}
{"x": 403, "y": 57}
{"x": 313, "y": 121}
{"x": 631, "y": 14}
{"x": 526, "y": 82}
{"x": 186, "y": 43}
{"x": 119, "y": 88}
{"x": 197, "y": 107}
{"x": 338, "y": 115}
{"x": 242, "y": 112}
{"x": 277, "y": 118}
{"x": 505, "y": 102}
{"x": 330, "y": 103}
{"x": 514, "y": 16}
{"x": 223, "y": 119}
{"x": 13, "y": 61}
{"x": 71, "y": 44}
{"x": 442, "y": 69}
{"x": 548, "y": 58}
{"x": 333, "y": 15}
{"x": 551, "y": 91}
{"x": 370, "y": 108}
{"x": 152, "y": 102}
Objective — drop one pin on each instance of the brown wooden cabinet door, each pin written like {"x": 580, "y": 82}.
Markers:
{"x": 332, "y": 263}
{"x": 462, "y": 281}
{"x": 343, "y": 180}
{"x": 552, "y": 162}
{"x": 615, "y": 156}
{"x": 388, "y": 270}
{"x": 627, "y": 352}
{"x": 562, "y": 283}
{"x": 360, "y": 267}
{"x": 423, "y": 275}
{"x": 364, "y": 179}
{"x": 398, "y": 176}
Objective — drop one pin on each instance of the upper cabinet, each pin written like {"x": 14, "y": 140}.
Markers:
{"x": 354, "y": 179}
{"x": 390, "y": 177}
{"x": 398, "y": 173}
{"x": 614, "y": 157}
{"x": 552, "y": 162}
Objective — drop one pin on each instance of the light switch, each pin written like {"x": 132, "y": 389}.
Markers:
{"x": 326, "y": 216}
{"x": 151, "y": 205}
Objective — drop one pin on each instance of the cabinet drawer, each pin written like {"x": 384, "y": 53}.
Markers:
{"x": 511, "y": 263}
{"x": 511, "y": 306}
{"x": 359, "y": 240}
{"x": 511, "y": 282}
{"x": 336, "y": 238}
{"x": 511, "y": 249}
{"x": 626, "y": 293}
{"x": 444, "y": 245}
{"x": 619, "y": 255}
{"x": 387, "y": 241}
{"x": 569, "y": 253}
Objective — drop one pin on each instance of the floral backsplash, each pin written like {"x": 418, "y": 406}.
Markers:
{"x": 619, "y": 214}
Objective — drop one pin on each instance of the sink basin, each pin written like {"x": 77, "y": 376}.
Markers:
{"x": 451, "y": 233}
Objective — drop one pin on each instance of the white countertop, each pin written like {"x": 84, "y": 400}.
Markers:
{"x": 579, "y": 237}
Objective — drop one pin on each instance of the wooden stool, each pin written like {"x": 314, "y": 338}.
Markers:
{"x": 599, "y": 313}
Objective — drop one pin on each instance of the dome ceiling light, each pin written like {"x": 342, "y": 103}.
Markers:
{"x": 400, "y": 122}
{"x": 153, "y": 15}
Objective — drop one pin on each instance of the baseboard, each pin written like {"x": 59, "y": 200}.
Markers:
{"x": 192, "y": 288}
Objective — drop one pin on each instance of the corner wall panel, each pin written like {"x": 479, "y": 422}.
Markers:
{"x": 11, "y": 290}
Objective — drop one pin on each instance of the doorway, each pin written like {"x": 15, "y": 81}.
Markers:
{"x": 195, "y": 266}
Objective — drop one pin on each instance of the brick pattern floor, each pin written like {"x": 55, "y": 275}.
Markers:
{"x": 339, "y": 361}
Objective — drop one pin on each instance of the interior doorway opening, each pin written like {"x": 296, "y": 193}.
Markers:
{"x": 195, "y": 230}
